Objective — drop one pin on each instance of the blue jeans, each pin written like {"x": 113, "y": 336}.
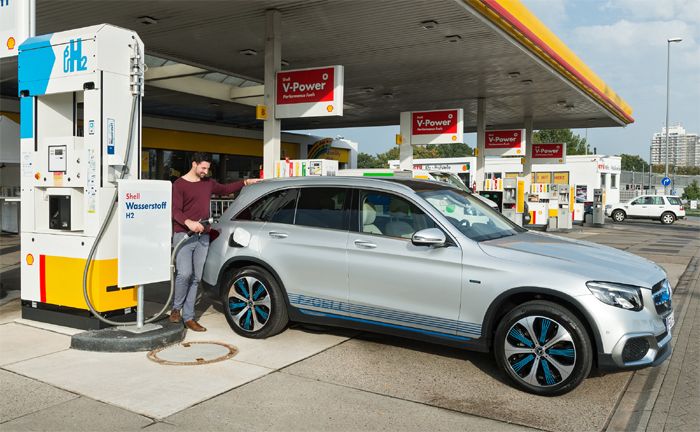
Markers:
{"x": 189, "y": 264}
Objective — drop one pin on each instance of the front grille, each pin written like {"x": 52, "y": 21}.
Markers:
{"x": 661, "y": 293}
{"x": 635, "y": 349}
{"x": 661, "y": 337}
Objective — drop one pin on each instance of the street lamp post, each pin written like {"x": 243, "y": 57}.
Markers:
{"x": 668, "y": 96}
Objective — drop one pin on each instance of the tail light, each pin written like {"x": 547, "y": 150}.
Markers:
{"x": 682, "y": 208}
{"x": 213, "y": 234}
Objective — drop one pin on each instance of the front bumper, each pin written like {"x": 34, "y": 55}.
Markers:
{"x": 659, "y": 349}
{"x": 628, "y": 339}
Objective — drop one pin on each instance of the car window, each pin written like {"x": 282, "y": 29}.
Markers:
{"x": 674, "y": 200}
{"x": 276, "y": 207}
{"x": 472, "y": 217}
{"x": 323, "y": 208}
{"x": 657, "y": 200}
{"x": 389, "y": 215}
{"x": 643, "y": 201}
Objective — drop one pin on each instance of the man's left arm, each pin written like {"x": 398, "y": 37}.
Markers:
{"x": 229, "y": 188}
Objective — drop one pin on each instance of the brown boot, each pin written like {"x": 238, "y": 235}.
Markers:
{"x": 175, "y": 316}
{"x": 194, "y": 326}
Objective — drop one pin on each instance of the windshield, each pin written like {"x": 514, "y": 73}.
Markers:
{"x": 449, "y": 178}
{"x": 469, "y": 215}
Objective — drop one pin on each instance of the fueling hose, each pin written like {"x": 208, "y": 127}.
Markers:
{"x": 110, "y": 214}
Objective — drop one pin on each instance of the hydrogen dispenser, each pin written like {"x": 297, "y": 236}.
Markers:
{"x": 80, "y": 133}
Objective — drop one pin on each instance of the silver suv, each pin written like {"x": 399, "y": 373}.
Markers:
{"x": 428, "y": 261}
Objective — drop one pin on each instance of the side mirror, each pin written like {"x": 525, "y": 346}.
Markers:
{"x": 432, "y": 237}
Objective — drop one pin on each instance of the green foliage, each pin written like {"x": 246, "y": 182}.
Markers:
{"x": 633, "y": 163}
{"x": 575, "y": 145}
{"x": 692, "y": 191}
{"x": 381, "y": 160}
{"x": 681, "y": 170}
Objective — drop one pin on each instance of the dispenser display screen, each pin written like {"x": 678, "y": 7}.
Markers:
{"x": 57, "y": 158}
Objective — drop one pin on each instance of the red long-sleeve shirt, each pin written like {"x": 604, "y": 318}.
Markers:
{"x": 191, "y": 200}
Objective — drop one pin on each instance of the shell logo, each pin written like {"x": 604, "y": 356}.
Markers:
{"x": 518, "y": 151}
{"x": 329, "y": 108}
{"x": 30, "y": 259}
{"x": 454, "y": 137}
{"x": 11, "y": 43}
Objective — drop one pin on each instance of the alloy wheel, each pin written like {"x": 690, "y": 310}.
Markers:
{"x": 540, "y": 351}
{"x": 249, "y": 303}
{"x": 667, "y": 218}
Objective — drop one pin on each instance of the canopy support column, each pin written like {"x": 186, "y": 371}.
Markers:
{"x": 272, "y": 131}
{"x": 480, "y": 144}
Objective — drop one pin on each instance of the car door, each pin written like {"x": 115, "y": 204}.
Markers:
{"x": 309, "y": 253}
{"x": 656, "y": 207}
{"x": 391, "y": 280}
{"x": 638, "y": 208}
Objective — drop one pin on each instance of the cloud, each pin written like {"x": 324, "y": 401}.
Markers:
{"x": 658, "y": 10}
{"x": 636, "y": 36}
{"x": 552, "y": 12}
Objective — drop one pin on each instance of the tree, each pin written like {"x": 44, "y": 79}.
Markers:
{"x": 692, "y": 191}
{"x": 633, "y": 163}
{"x": 575, "y": 145}
{"x": 366, "y": 160}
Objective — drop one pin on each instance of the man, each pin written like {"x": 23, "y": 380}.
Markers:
{"x": 191, "y": 203}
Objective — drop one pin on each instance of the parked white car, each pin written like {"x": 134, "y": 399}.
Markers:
{"x": 660, "y": 207}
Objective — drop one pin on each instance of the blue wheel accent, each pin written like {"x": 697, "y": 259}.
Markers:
{"x": 517, "y": 367}
{"x": 540, "y": 351}
{"x": 249, "y": 303}
{"x": 548, "y": 377}
{"x": 517, "y": 334}
{"x": 545, "y": 323}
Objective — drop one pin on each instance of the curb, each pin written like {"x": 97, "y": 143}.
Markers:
{"x": 638, "y": 403}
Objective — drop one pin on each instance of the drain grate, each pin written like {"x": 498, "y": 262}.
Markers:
{"x": 193, "y": 353}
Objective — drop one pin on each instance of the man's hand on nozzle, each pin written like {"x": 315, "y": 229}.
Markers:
{"x": 250, "y": 181}
{"x": 194, "y": 226}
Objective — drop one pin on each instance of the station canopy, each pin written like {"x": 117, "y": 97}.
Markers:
{"x": 399, "y": 55}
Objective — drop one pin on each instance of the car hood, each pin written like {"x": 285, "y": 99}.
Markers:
{"x": 590, "y": 260}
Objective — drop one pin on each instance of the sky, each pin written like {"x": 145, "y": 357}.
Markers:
{"x": 624, "y": 43}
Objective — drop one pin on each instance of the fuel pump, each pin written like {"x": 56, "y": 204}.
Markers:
{"x": 598, "y": 207}
{"x": 553, "y": 208}
{"x": 509, "y": 199}
{"x": 564, "y": 221}
{"x": 80, "y": 106}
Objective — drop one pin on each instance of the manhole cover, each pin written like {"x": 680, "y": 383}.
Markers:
{"x": 193, "y": 353}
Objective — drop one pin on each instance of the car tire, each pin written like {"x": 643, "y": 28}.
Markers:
{"x": 667, "y": 218}
{"x": 618, "y": 216}
{"x": 527, "y": 350}
{"x": 253, "y": 303}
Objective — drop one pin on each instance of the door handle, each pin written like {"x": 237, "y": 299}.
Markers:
{"x": 277, "y": 234}
{"x": 365, "y": 244}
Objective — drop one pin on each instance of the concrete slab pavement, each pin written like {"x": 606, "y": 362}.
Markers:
{"x": 302, "y": 404}
{"x": 289, "y": 347}
{"x": 458, "y": 380}
{"x": 21, "y": 343}
{"x": 70, "y": 417}
{"x": 22, "y": 396}
{"x": 132, "y": 382}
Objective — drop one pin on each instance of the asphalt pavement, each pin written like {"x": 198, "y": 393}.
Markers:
{"x": 326, "y": 379}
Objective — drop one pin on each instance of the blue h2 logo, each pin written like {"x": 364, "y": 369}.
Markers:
{"x": 73, "y": 58}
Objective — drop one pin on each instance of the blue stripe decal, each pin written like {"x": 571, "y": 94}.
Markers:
{"x": 26, "y": 117}
{"x": 34, "y": 65}
{"x": 385, "y": 314}
{"x": 379, "y": 323}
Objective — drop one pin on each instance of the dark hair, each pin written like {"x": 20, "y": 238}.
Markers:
{"x": 200, "y": 157}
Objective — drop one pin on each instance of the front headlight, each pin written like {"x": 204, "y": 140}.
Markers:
{"x": 623, "y": 296}
{"x": 608, "y": 206}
